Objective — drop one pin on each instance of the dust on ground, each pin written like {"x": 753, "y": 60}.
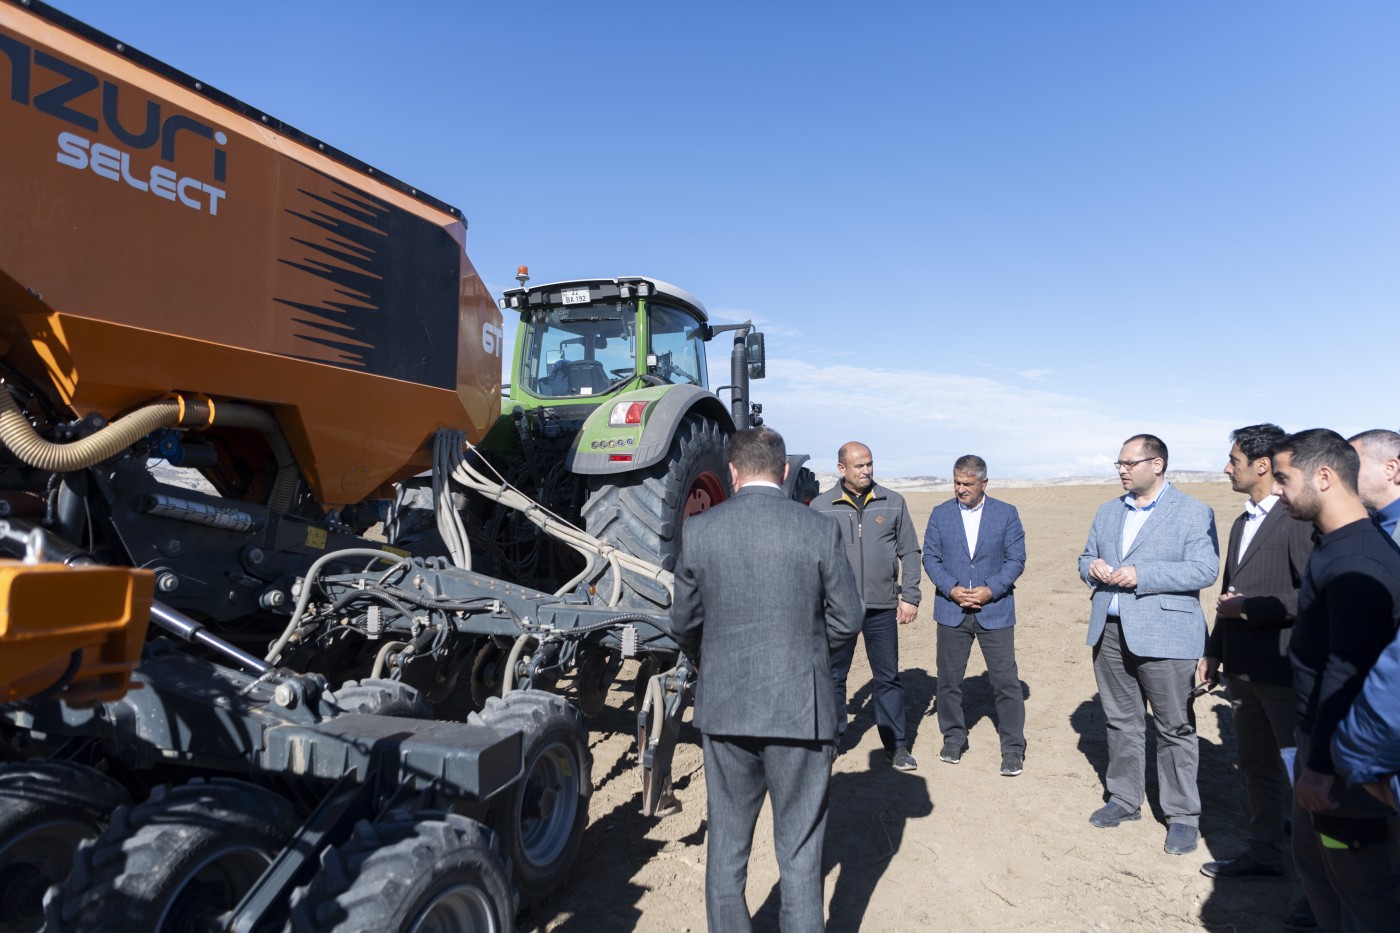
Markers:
{"x": 947, "y": 847}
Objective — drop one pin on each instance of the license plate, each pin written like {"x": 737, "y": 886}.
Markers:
{"x": 574, "y": 296}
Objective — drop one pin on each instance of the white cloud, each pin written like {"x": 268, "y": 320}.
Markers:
{"x": 1035, "y": 375}
{"x": 918, "y": 422}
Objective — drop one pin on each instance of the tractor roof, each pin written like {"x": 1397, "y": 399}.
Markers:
{"x": 551, "y": 293}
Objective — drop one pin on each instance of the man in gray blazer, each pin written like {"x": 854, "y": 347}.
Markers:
{"x": 1148, "y": 556}
{"x": 1264, "y": 565}
{"x": 764, "y": 593}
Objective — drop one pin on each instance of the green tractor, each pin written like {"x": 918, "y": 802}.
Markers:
{"x": 609, "y": 421}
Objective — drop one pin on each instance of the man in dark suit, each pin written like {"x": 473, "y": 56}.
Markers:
{"x": 764, "y": 593}
{"x": 974, "y": 551}
{"x": 1264, "y": 563}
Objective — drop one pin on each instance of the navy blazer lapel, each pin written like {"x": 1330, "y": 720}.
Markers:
{"x": 982, "y": 527}
{"x": 957, "y": 522}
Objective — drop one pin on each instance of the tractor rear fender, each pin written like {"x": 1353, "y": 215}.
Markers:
{"x": 647, "y": 443}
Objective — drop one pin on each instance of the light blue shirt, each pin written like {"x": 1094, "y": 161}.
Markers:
{"x": 1132, "y": 524}
{"x": 1388, "y": 517}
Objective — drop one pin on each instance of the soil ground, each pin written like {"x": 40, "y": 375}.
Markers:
{"x": 947, "y": 847}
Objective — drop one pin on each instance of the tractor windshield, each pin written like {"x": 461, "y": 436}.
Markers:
{"x": 676, "y": 347}
{"x": 579, "y": 351}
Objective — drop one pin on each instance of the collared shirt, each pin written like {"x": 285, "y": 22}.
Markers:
{"x": 1257, "y": 512}
{"x": 1132, "y": 524}
{"x": 972, "y": 524}
{"x": 1388, "y": 517}
{"x": 761, "y": 482}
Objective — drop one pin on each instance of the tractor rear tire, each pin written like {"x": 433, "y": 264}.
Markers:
{"x": 181, "y": 861}
{"x": 642, "y": 512}
{"x": 542, "y": 818}
{"x": 410, "y": 872}
{"x": 46, "y": 809}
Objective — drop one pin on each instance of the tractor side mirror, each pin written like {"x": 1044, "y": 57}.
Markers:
{"x": 753, "y": 343}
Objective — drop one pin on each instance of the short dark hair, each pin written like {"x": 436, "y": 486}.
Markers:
{"x": 971, "y": 463}
{"x": 1152, "y": 445}
{"x": 1319, "y": 447}
{"x": 1257, "y": 440}
{"x": 758, "y": 452}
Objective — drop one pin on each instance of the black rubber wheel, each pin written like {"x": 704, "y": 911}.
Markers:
{"x": 542, "y": 817}
{"x": 642, "y": 512}
{"x": 380, "y": 697}
{"x": 487, "y": 667}
{"x": 592, "y": 680}
{"x": 178, "y": 862}
{"x": 413, "y": 873}
{"x": 47, "y": 808}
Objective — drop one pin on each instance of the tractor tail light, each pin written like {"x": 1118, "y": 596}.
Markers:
{"x": 625, "y": 413}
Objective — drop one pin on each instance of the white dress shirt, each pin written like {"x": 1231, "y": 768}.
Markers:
{"x": 1257, "y": 512}
{"x": 972, "y": 523}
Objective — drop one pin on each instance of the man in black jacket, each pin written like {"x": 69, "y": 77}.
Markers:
{"x": 1346, "y": 844}
{"x": 1264, "y": 563}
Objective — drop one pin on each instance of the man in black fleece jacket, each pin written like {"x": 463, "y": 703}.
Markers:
{"x": 1346, "y": 845}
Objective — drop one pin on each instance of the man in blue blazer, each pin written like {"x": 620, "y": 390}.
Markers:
{"x": 974, "y": 550}
{"x": 1149, "y": 554}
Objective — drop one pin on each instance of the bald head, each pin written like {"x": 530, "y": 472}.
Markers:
{"x": 857, "y": 466}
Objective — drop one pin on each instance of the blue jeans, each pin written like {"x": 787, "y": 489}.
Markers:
{"x": 881, "y": 634}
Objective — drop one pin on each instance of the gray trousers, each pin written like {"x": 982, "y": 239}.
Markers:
{"x": 1350, "y": 890}
{"x": 999, "y": 651}
{"x": 1265, "y": 717}
{"x": 1127, "y": 684}
{"x": 739, "y": 771}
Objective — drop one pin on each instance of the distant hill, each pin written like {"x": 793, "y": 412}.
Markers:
{"x": 945, "y": 484}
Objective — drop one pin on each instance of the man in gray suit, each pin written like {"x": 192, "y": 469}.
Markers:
{"x": 764, "y": 593}
{"x": 1379, "y": 479}
{"x": 1148, "y": 556}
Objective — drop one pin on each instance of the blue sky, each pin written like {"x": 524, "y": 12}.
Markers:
{"x": 1024, "y": 229}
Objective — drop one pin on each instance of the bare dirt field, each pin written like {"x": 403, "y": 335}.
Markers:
{"x": 948, "y": 847}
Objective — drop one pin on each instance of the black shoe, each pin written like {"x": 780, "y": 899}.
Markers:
{"x": 952, "y": 752}
{"x": 1181, "y": 839}
{"x": 1244, "y": 866}
{"x": 1300, "y": 919}
{"x": 1012, "y": 765}
{"x": 1110, "y": 815}
{"x": 902, "y": 760}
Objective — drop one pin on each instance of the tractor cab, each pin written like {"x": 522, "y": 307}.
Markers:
{"x": 582, "y": 341}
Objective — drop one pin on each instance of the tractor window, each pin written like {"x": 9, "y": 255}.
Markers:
{"x": 579, "y": 351}
{"x": 676, "y": 344}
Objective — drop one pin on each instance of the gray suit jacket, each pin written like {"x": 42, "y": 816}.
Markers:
{"x": 764, "y": 593}
{"x": 1268, "y": 576}
{"x": 1175, "y": 555}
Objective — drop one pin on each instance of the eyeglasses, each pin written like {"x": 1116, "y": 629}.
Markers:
{"x": 1129, "y": 464}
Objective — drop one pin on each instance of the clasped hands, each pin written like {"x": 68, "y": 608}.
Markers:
{"x": 1124, "y": 577}
{"x": 971, "y": 597}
